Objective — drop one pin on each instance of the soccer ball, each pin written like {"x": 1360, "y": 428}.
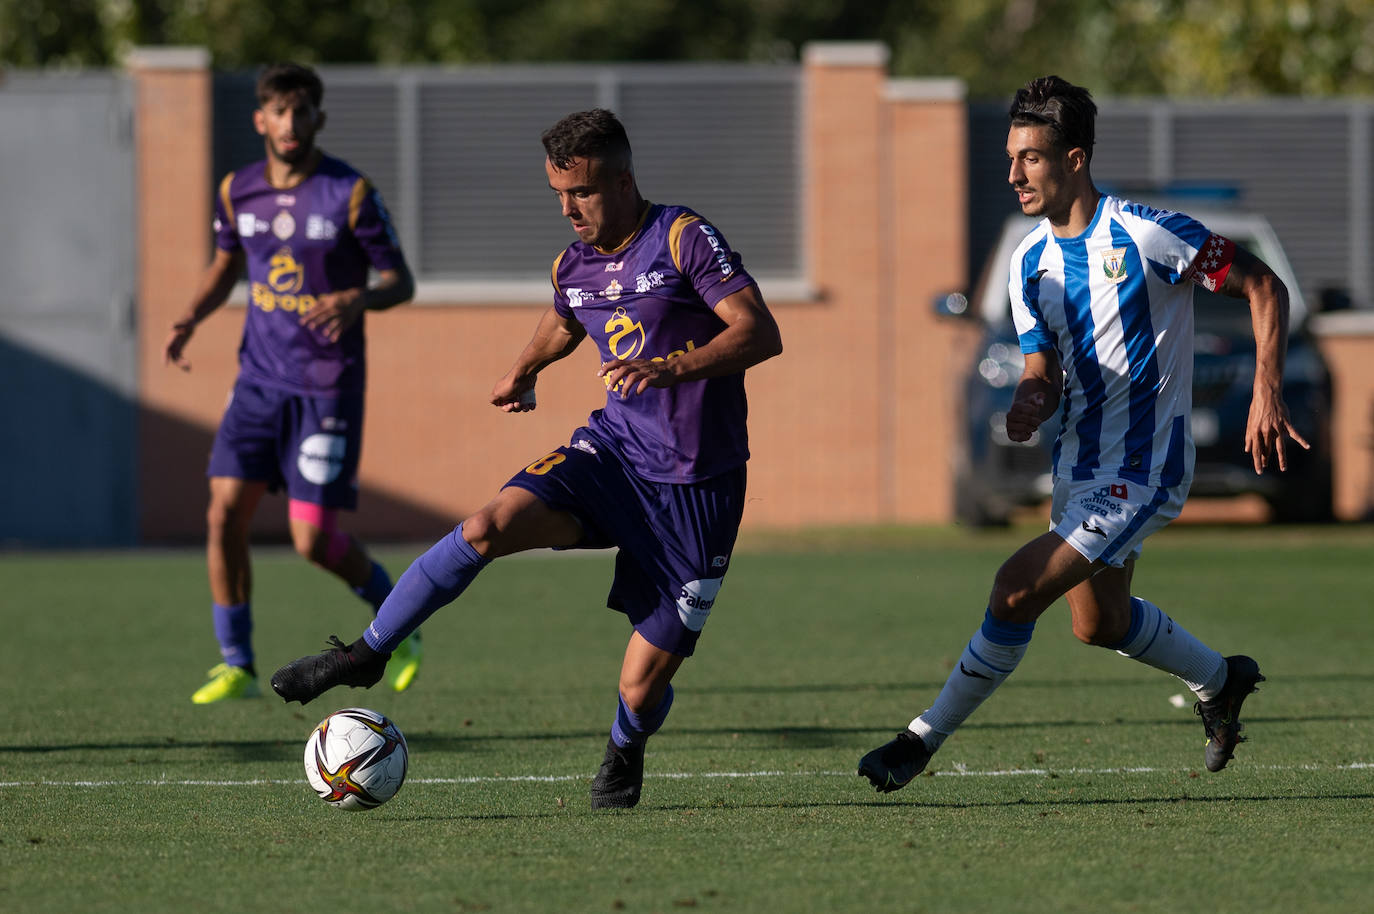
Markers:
{"x": 356, "y": 759}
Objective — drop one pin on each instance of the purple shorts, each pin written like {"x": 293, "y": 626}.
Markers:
{"x": 308, "y": 445}
{"x": 674, "y": 539}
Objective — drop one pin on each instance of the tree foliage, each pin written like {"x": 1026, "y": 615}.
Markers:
{"x": 1171, "y": 47}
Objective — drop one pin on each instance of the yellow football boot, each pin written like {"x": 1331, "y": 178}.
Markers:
{"x": 227, "y": 682}
{"x": 404, "y": 663}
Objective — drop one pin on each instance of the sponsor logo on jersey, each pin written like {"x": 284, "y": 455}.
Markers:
{"x": 687, "y": 347}
{"x": 646, "y": 281}
{"x": 722, "y": 255}
{"x": 576, "y": 298}
{"x": 625, "y": 335}
{"x": 1107, "y": 500}
{"x": 318, "y": 228}
{"x": 284, "y": 225}
{"x": 321, "y": 458}
{"x": 612, "y": 292}
{"x": 720, "y": 561}
{"x": 284, "y": 272}
{"x": 286, "y": 199}
{"x": 614, "y": 267}
{"x": 285, "y": 277}
{"x": 695, "y": 600}
{"x": 248, "y": 224}
{"x": 582, "y": 444}
{"x": 1114, "y": 265}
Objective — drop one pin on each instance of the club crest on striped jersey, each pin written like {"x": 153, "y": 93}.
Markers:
{"x": 1114, "y": 265}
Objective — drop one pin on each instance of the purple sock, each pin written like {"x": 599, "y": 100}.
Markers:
{"x": 631, "y": 729}
{"x": 234, "y": 629}
{"x": 433, "y": 580}
{"x": 378, "y": 586}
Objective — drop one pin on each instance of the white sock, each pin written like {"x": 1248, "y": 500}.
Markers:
{"x": 981, "y": 669}
{"x": 1158, "y": 641}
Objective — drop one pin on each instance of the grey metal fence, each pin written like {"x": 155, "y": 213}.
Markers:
{"x": 1305, "y": 164}
{"x": 456, "y": 154}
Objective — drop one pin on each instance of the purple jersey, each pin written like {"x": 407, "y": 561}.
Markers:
{"x": 320, "y": 236}
{"x": 654, "y": 298}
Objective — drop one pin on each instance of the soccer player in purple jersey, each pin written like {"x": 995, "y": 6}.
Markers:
{"x": 1102, "y": 297}
{"x": 658, "y": 471}
{"x": 308, "y": 227}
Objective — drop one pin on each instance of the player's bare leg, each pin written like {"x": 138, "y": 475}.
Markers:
{"x": 230, "y": 512}
{"x": 1100, "y": 607}
{"x": 233, "y": 503}
{"x": 1107, "y": 615}
{"x": 334, "y": 551}
{"x": 317, "y": 538}
{"x": 646, "y": 695}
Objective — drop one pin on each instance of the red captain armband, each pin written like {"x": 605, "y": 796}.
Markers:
{"x": 1212, "y": 263}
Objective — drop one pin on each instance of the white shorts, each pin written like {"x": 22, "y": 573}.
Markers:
{"x": 1108, "y": 519}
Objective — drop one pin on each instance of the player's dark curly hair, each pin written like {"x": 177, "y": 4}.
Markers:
{"x": 594, "y": 134}
{"x": 1068, "y": 111}
{"x": 287, "y": 78}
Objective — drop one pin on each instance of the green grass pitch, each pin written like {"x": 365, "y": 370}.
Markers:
{"x": 1078, "y": 787}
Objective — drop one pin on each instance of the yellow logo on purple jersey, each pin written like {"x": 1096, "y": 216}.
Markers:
{"x": 284, "y": 272}
{"x": 285, "y": 276}
{"x": 621, "y": 326}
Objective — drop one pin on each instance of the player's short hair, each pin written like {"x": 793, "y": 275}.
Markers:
{"x": 594, "y": 134}
{"x": 1068, "y": 111}
{"x": 287, "y": 78}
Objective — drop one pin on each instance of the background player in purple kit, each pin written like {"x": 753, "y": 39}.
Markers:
{"x": 658, "y": 471}
{"x": 309, "y": 227}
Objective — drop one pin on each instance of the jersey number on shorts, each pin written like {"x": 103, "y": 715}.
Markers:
{"x": 545, "y": 463}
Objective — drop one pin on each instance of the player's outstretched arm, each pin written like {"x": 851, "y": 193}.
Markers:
{"x": 554, "y": 337}
{"x": 1037, "y": 394}
{"x": 215, "y": 285}
{"x": 1269, "y": 425}
{"x": 750, "y": 337}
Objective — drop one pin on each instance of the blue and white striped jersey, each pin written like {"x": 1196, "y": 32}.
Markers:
{"x": 1117, "y": 304}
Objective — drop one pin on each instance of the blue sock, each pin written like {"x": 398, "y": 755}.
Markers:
{"x": 234, "y": 629}
{"x": 631, "y": 729}
{"x": 433, "y": 580}
{"x": 378, "y": 586}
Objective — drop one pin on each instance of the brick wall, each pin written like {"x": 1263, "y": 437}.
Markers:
{"x": 851, "y": 425}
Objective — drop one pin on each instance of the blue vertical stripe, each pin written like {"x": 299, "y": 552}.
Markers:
{"x": 1079, "y": 317}
{"x": 1143, "y": 515}
{"x": 1039, "y": 337}
{"x": 1133, "y": 302}
{"x": 1171, "y": 474}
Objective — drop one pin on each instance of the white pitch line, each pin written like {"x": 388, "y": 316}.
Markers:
{"x": 955, "y": 771}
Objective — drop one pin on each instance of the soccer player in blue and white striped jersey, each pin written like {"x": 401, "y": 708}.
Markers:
{"x": 1101, "y": 293}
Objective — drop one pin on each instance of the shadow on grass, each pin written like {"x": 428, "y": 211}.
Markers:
{"x": 787, "y": 737}
{"x": 1018, "y": 682}
{"x": 898, "y": 805}
{"x": 1023, "y": 802}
